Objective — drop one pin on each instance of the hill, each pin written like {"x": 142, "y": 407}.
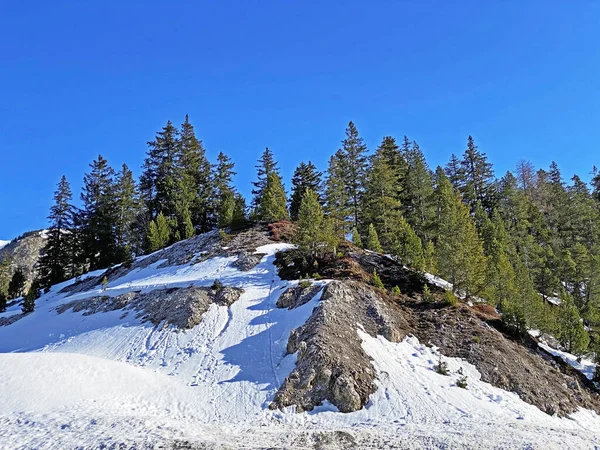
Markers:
{"x": 163, "y": 355}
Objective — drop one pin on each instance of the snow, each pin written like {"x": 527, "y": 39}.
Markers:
{"x": 3, "y": 243}
{"x": 75, "y": 381}
{"x": 585, "y": 365}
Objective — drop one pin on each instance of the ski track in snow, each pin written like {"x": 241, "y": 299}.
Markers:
{"x": 83, "y": 381}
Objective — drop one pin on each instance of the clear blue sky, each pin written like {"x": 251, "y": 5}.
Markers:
{"x": 78, "y": 78}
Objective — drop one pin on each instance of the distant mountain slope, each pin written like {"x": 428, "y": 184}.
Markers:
{"x": 117, "y": 367}
{"x": 24, "y": 252}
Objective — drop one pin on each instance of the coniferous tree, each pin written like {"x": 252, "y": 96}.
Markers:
{"x": 32, "y": 295}
{"x": 239, "y": 218}
{"x": 356, "y": 240}
{"x": 159, "y": 233}
{"x": 336, "y": 198}
{"x": 526, "y": 177}
{"x": 56, "y": 256}
{"x": 418, "y": 206}
{"x": 353, "y": 164}
{"x": 309, "y": 235}
{"x": 273, "y": 202}
{"x": 408, "y": 246}
{"x": 373, "y": 243}
{"x": 17, "y": 283}
{"x": 459, "y": 250}
{"x": 454, "y": 172}
{"x": 224, "y": 190}
{"x": 266, "y": 165}
{"x": 571, "y": 332}
{"x": 99, "y": 216}
{"x": 3, "y": 301}
{"x": 198, "y": 188}
{"x": 306, "y": 176}
{"x": 478, "y": 181}
{"x": 128, "y": 209}
{"x": 396, "y": 160}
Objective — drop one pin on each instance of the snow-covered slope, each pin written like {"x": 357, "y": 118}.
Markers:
{"x": 3, "y": 243}
{"x": 73, "y": 380}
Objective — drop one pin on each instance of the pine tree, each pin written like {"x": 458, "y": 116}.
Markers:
{"x": 309, "y": 237}
{"x": 306, "y": 176}
{"x": 224, "y": 190}
{"x": 373, "y": 240}
{"x": 273, "y": 202}
{"x": 28, "y": 304}
{"x": 478, "y": 177}
{"x": 459, "y": 250}
{"x": 396, "y": 160}
{"x": 266, "y": 165}
{"x": 455, "y": 173}
{"x": 56, "y": 256}
{"x": 239, "y": 218}
{"x": 100, "y": 216}
{"x": 17, "y": 283}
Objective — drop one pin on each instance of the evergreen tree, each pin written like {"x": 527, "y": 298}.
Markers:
{"x": 128, "y": 209}
{"x": 273, "y": 203}
{"x": 396, "y": 160}
{"x": 306, "y": 176}
{"x": 526, "y": 177}
{"x": 239, "y": 218}
{"x": 310, "y": 225}
{"x": 418, "y": 206}
{"x": 3, "y": 301}
{"x": 17, "y": 283}
{"x": 408, "y": 246}
{"x": 161, "y": 182}
{"x": 99, "y": 216}
{"x": 159, "y": 233}
{"x": 459, "y": 251}
{"x": 356, "y": 240}
{"x": 197, "y": 185}
{"x": 266, "y": 165}
{"x": 336, "y": 198}
{"x": 56, "y": 256}
{"x": 353, "y": 162}
{"x": 224, "y": 190}
{"x": 571, "y": 333}
{"x": 373, "y": 240}
{"x": 455, "y": 173}
{"x": 28, "y": 304}
{"x": 478, "y": 177}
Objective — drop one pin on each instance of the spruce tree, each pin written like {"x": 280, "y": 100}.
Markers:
{"x": 306, "y": 176}
{"x": 396, "y": 160}
{"x": 407, "y": 246}
{"x": 239, "y": 218}
{"x": 159, "y": 233}
{"x": 571, "y": 332}
{"x": 273, "y": 202}
{"x": 309, "y": 235}
{"x": 128, "y": 209}
{"x": 353, "y": 164}
{"x": 418, "y": 206}
{"x": 356, "y": 240}
{"x": 373, "y": 240}
{"x": 100, "y": 216}
{"x": 56, "y": 256}
{"x": 336, "y": 198}
{"x": 478, "y": 177}
{"x": 459, "y": 250}
{"x": 266, "y": 165}
{"x": 224, "y": 190}
{"x": 454, "y": 172}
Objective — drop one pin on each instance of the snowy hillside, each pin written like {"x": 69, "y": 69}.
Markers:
{"x": 89, "y": 378}
{"x": 3, "y": 243}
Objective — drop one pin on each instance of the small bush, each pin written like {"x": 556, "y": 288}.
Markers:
{"x": 217, "y": 285}
{"x": 396, "y": 290}
{"x": 450, "y": 299}
{"x": 376, "y": 280}
{"x": 339, "y": 255}
{"x": 441, "y": 367}
{"x": 104, "y": 283}
{"x": 305, "y": 284}
{"x": 224, "y": 237}
{"x": 316, "y": 276}
{"x": 462, "y": 382}
{"x": 476, "y": 339}
{"x": 427, "y": 295}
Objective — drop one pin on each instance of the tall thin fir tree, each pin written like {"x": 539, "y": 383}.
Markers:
{"x": 336, "y": 198}
{"x": 128, "y": 209}
{"x": 273, "y": 202}
{"x": 225, "y": 195}
{"x": 266, "y": 165}
{"x": 55, "y": 257}
{"x": 306, "y": 176}
{"x": 353, "y": 162}
{"x": 478, "y": 182}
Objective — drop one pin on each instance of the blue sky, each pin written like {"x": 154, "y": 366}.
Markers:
{"x": 82, "y": 78}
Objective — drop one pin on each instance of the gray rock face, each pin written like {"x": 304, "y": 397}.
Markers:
{"x": 331, "y": 364}
{"x": 181, "y": 307}
{"x": 25, "y": 252}
{"x": 297, "y": 296}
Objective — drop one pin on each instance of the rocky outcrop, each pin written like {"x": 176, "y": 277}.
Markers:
{"x": 181, "y": 307}
{"x": 331, "y": 364}
{"x": 299, "y": 295}
{"x": 24, "y": 252}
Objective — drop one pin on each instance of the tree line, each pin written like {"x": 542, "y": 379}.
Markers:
{"x": 519, "y": 242}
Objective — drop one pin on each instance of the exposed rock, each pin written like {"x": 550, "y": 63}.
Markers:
{"x": 247, "y": 260}
{"x": 296, "y": 296}
{"x": 181, "y": 307}
{"x": 24, "y": 252}
{"x": 331, "y": 364}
